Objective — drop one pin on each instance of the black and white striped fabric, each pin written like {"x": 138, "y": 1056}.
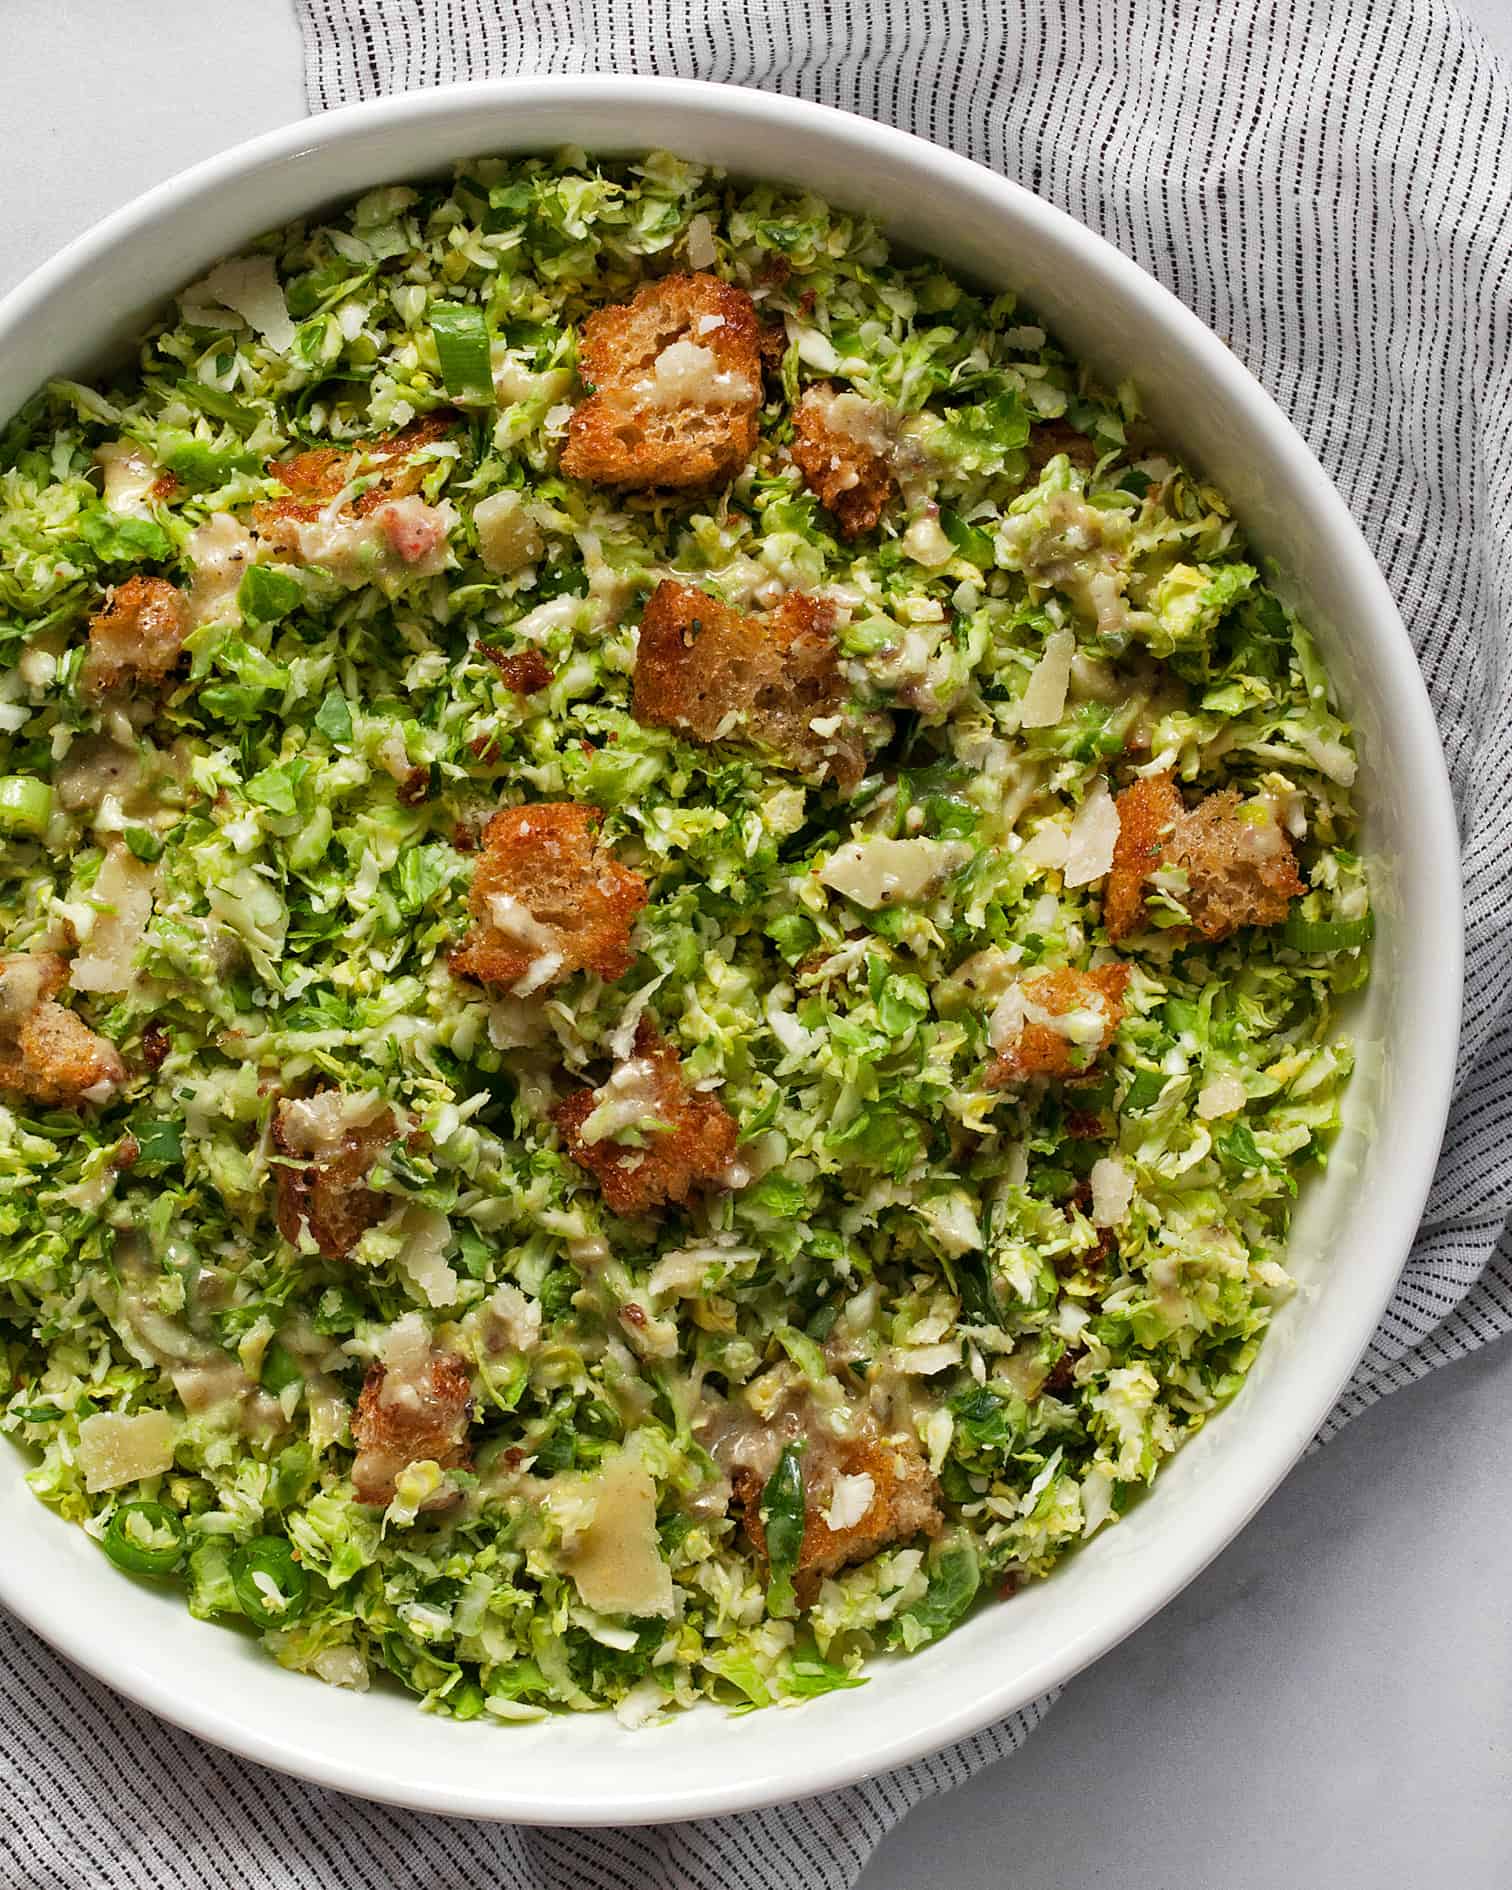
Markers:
{"x": 1327, "y": 183}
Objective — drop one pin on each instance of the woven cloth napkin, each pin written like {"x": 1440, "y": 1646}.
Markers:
{"x": 1326, "y": 182}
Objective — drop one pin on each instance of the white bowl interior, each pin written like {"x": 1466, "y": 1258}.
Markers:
{"x": 1356, "y": 1222}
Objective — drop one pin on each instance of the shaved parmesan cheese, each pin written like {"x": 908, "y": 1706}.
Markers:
{"x": 1094, "y": 835}
{"x": 616, "y": 1560}
{"x": 1049, "y": 847}
{"x": 514, "y": 1320}
{"x": 1045, "y": 699}
{"x": 122, "y": 898}
{"x": 116, "y": 1449}
{"x": 248, "y": 285}
{"x": 890, "y": 872}
{"x": 850, "y": 1499}
{"x": 508, "y": 539}
{"x": 422, "y": 1260}
{"x": 405, "y": 1354}
{"x": 1112, "y": 1191}
{"x": 1221, "y": 1096}
{"x": 701, "y": 250}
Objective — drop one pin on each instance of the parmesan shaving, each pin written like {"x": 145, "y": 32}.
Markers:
{"x": 1045, "y": 698}
{"x": 1094, "y": 835}
{"x": 1112, "y": 1191}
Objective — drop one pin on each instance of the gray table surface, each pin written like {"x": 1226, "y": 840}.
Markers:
{"x": 1331, "y": 1703}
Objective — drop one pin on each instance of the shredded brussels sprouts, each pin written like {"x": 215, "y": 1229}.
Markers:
{"x": 312, "y": 1301}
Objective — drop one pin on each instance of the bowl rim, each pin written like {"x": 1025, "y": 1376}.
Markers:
{"x": 93, "y": 1647}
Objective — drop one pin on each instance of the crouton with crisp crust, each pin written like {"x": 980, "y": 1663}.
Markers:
{"x": 137, "y": 637}
{"x": 675, "y": 387}
{"x": 549, "y": 898}
{"x": 1060, "y": 1022}
{"x": 316, "y": 476}
{"x": 845, "y": 473}
{"x": 903, "y": 1502}
{"x": 644, "y": 1135}
{"x": 708, "y": 669}
{"x": 417, "y": 1414}
{"x": 1238, "y": 861}
{"x": 48, "y": 1052}
{"x": 323, "y": 1185}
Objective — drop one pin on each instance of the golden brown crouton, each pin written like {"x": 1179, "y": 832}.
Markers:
{"x": 1041, "y": 1048}
{"x": 416, "y": 1414}
{"x": 48, "y": 1052}
{"x": 904, "y": 1502}
{"x": 692, "y": 1142}
{"x": 1239, "y": 865}
{"x": 675, "y": 375}
{"x": 706, "y": 668}
{"x": 315, "y": 477}
{"x": 1147, "y": 816}
{"x": 549, "y": 899}
{"x": 326, "y": 1192}
{"x": 845, "y": 473}
{"x": 138, "y": 636}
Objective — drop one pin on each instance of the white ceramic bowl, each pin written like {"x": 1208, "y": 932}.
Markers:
{"x": 1356, "y": 1222}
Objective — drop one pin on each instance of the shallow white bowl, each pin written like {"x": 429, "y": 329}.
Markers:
{"x": 1357, "y": 1221}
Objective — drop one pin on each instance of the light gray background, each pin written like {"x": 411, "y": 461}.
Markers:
{"x": 1330, "y": 1705}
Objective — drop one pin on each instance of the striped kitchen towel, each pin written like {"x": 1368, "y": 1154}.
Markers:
{"x": 1327, "y": 183}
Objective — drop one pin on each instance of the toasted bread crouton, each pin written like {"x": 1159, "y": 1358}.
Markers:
{"x": 1147, "y": 816}
{"x": 683, "y": 1138}
{"x": 414, "y": 1413}
{"x": 48, "y": 1052}
{"x": 315, "y": 477}
{"x": 1056, "y": 1023}
{"x": 903, "y": 1502}
{"x": 708, "y": 669}
{"x": 137, "y": 637}
{"x": 549, "y": 899}
{"x": 334, "y": 1146}
{"x": 675, "y": 375}
{"x": 845, "y": 473}
{"x": 1239, "y": 865}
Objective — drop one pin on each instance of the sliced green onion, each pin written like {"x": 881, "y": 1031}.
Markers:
{"x": 270, "y": 1585}
{"x": 25, "y": 804}
{"x": 145, "y": 1539}
{"x": 461, "y": 333}
{"x": 783, "y": 1521}
{"x": 1328, "y": 935}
